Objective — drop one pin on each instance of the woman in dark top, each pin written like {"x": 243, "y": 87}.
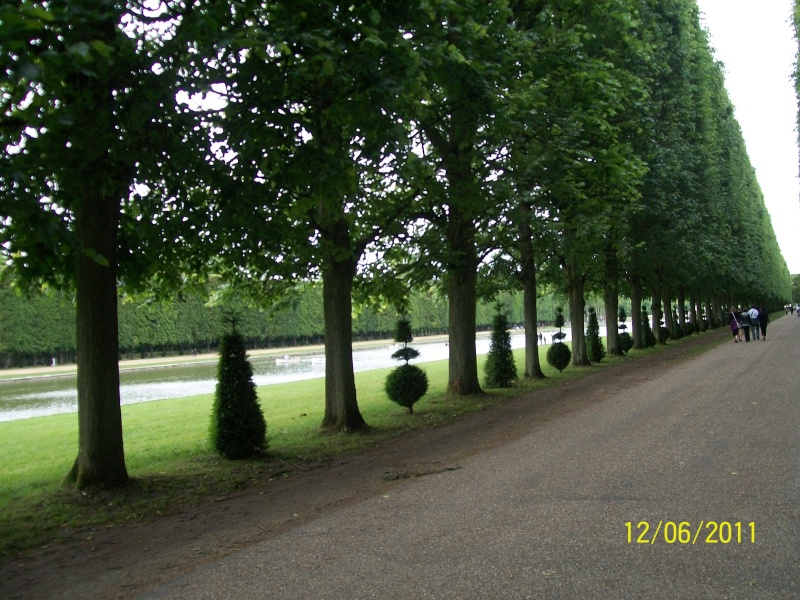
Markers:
{"x": 763, "y": 319}
{"x": 735, "y": 326}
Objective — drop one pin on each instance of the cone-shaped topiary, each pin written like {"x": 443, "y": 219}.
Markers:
{"x": 499, "y": 367}
{"x": 594, "y": 345}
{"x": 407, "y": 383}
{"x": 648, "y": 337}
{"x": 238, "y": 429}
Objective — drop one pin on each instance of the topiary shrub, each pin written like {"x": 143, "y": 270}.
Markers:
{"x": 238, "y": 429}
{"x": 558, "y": 356}
{"x": 648, "y": 337}
{"x": 625, "y": 341}
{"x": 407, "y": 383}
{"x": 595, "y": 349}
{"x": 499, "y": 367}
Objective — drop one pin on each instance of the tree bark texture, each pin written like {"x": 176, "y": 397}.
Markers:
{"x": 636, "y": 313}
{"x": 611, "y": 301}
{"x": 681, "y": 306}
{"x": 657, "y": 314}
{"x": 669, "y": 322}
{"x": 462, "y": 278}
{"x": 533, "y": 368}
{"x": 576, "y": 316}
{"x": 101, "y": 458}
{"x": 341, "y": 404}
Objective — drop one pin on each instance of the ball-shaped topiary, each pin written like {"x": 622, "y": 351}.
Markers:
{"x": 558, "y": 356}
{"x": 625, "y": 342}
{"x": 238, "y": 429}
{"x": 405, "y": 385}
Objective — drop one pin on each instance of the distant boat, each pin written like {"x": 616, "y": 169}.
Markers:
{"x": 287, "y": 359}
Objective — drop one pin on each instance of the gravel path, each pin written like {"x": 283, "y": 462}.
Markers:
{"x": 529, "y": 499}
{"x": 710, "y": 439}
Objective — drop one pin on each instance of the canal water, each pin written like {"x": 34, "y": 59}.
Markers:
{"x": 26, "y": 398}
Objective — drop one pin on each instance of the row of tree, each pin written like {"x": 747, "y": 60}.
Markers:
{"x": 474, "y": 146}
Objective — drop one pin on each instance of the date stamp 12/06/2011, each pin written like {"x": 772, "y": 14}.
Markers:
{"x": 684, "y": 532}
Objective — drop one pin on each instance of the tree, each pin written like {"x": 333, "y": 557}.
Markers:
{"x": 462, "y": 50}
{"x": 238, "y": 429}
{"x": 499, "y": 367}
{"x": 313, "y": 153}
{"x": 89, "y": 131}
{"x": 575, "y": 160}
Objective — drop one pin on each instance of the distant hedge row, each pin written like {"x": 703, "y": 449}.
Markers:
{"x": 34, "y": 330}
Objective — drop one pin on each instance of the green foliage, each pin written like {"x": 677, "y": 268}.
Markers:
{"x": 558, "y": 356}
{"x": 625, "y": 341}
{"x": 595, "y": 349}
{"x": 405, "y": 385}
{"x": 559, "y": 322}
{"x": 238, "y": 429}
{"x": 499, "y": 367}
{"x": 648, "y": 336}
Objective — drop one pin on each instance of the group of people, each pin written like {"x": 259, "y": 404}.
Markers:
{"x": 748, "y": 323}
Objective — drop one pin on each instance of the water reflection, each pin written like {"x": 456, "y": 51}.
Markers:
{"x": 23, "y": 399}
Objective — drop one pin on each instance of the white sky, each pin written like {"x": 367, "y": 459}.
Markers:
{"x": 755, "y": 41}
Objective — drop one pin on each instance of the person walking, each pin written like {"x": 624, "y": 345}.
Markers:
{"x": 754, "y": 323}
{"x": 763, "y": 320}
{"x": 735, "y": 326}
{"x": 744, "y": 321}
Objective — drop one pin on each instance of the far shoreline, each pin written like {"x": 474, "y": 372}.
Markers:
{"x": 162, "y": 362}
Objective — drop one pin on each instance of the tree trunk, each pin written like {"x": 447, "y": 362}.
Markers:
{"x": 101, "y": 458}
{"x": 716, "y": 310}
{"x": 341, "y": 405}
{"x": 463, "y": 363}
{"x": 657, "y": 315}
{"x": 693, "y": 310}
{"x": 636, "y": 313}
{"x": 533, "y": 369}
{"x": 576, "y": 316}
{"x": 681, "y": 306}
{"x": 611, "y": 301}
{"x": 669, "y": 322}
